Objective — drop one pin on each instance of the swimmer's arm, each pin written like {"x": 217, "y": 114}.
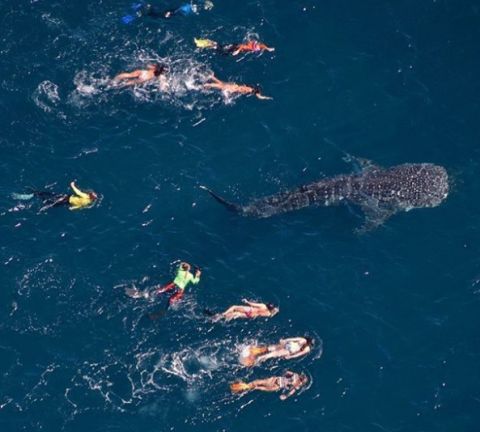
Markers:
{"x": 287, "y": 395}
{"x": 299, "y": 354}
{"x": 78, "y": 192}
{"x": 267, "y": 48}
{"x": 76, "y": 207}
{"x": 294, "y": 339}
{"x": 214, "y": 79}
{"x": 262, "y": 97}
{"x": 195, "y": 279}
{"x": 253, "y": 304}
{"x": 127, "y": 75}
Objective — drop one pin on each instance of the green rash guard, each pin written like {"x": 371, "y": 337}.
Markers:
{"x": 183, "y": 278}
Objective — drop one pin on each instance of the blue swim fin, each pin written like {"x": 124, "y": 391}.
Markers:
{"x": 128, "y": 19}
{"x": 22, "y": 197}
{"x": 187, "y": 9}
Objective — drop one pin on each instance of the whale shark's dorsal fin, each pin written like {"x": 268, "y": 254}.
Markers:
{"x": 361, "y": 164}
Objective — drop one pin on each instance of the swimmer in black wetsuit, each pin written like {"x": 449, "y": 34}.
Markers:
{"x": 151, "y": 11}
{"x": 155, "y": 12}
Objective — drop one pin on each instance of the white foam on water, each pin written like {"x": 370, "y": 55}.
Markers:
{"x": 46, "y": 96}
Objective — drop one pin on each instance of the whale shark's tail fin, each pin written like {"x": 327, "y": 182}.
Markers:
{"x": 230, "y": 206}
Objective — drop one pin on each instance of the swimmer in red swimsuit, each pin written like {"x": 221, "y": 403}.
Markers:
{"x": 251, "y": 310}
{"x": 252, "y": 46}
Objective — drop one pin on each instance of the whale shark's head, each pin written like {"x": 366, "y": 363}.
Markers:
{"x": 407, "y": 186}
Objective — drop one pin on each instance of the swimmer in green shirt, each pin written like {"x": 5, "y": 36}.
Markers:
{"x": 183, "y": 278}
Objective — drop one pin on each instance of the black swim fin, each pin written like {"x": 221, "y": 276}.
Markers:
{"x": 136, "y": 293}
{"x": 156, "y": 315}
{"x": 230, "y": 206}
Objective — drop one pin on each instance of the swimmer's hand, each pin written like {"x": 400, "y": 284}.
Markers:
{"x": 198, "y": 273}
{"x": 261, "y": 97}
{"x": 283, "y": 397}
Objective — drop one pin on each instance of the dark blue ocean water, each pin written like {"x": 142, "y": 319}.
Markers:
{"x": 396, "y": 310}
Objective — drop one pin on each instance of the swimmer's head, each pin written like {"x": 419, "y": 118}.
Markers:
{"x": 93, "y": 196}
{"x": 185, "y": 266}
{"x": 303, "y": 378}
{"x": 309, "y": 342}
{"x": 159, "y": 69}
{"x": 256, "y": 90}
{"x": 272, "y": 309}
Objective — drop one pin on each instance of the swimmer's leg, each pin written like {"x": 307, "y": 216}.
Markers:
{"x": 175, "y": 297}
{"x": 55, "y": 201}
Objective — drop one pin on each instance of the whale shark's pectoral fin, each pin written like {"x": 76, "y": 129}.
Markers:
{"x": 361, "y": 164}
{"x": 374, "y": 217}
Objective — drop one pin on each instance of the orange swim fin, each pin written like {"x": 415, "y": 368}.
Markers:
{"x": 239, "y": 387}
{"x": 258, "y": 350}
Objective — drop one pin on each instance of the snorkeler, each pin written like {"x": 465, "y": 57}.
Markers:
{"x": 78, "y": 200}
{"x": 182, "y": 279}
{"x": 252, "y": 46}
{"x": 289, "y": 383}
{"x": 151, "y": 11}
{"x": 250, "y": 311}
{"x": 287, "y": 349}
{"x": 142, "y": 76}
{"x": 233, "y": 88}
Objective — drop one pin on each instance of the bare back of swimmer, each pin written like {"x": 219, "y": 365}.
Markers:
{"x": 250, "y": 310}
{"x": 141, "y": 76}
{"x": 289, "y": 383}
{"x": 234, "y": 88}
{"x": 286, "y": 349}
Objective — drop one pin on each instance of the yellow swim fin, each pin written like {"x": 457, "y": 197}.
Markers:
{"x": 204, "y": 43}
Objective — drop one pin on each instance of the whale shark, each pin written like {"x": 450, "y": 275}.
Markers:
{"x": 379, "y": 192}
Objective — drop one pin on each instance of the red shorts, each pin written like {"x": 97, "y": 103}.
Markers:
{"x": 176, "y": 297}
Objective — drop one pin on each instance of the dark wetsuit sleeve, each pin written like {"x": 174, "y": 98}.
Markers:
{"x": 155, "y": 12}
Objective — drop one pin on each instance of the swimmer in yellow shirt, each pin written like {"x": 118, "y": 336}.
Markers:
{"x": 78, "y": 200}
